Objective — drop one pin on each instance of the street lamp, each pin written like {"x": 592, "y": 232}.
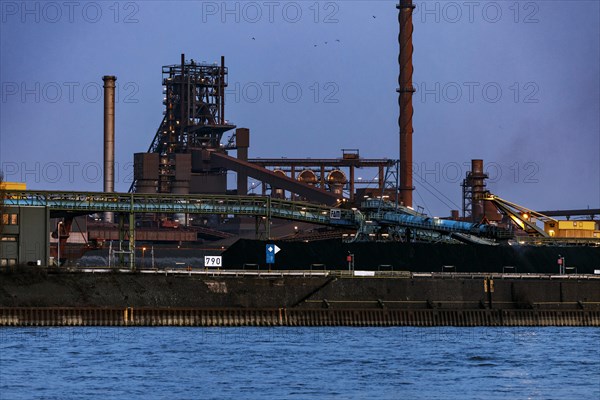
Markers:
{"x": 143, "y": 256}
{"x": 58, "y": 243}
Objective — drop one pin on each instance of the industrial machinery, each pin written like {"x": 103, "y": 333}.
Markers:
{"x": 553, "y": 230}
{"x": 194, "y": 122}
{"x": 186, "y": 155}
{"x": 336, "y": 175}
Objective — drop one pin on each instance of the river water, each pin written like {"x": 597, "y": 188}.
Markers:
{"x": 300, "y": 363}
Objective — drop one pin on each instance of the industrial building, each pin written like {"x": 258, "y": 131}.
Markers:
{"x": 24, "y": 236}
{"x": 188, "y": 155}
{"x": 183, "y": 174}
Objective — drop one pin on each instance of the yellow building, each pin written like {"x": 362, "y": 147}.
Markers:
{"x": 572, "y": 229}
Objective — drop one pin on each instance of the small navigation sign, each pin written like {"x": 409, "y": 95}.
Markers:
{"x": 213, "y": 261}
{"x": 271, "y": 251}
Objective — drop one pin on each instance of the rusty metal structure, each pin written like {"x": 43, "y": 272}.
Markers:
{"x": 187, "y": 156}
{"x": 474, "y": 192}
{"x": 194, "y": 121}
{"x": 405, "y": 94}
{"x": 337, "y": 175}
{"x": 474, "y": 189}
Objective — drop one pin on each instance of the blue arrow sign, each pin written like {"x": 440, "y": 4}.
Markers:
{"x": 271, "y": 250}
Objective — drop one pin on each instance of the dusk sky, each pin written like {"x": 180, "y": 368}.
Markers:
{"x": 514, "y": 83}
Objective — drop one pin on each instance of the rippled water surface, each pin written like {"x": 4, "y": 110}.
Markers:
{"x": 300, "y": 363}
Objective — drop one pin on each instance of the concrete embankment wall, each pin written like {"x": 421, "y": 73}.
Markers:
{"x": 38, "y": 299}
{"x": 292, "y": 317}
{"x": 154, "y": 291}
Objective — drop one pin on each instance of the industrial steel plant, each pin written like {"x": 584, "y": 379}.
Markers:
{"x": 180, "y": 210}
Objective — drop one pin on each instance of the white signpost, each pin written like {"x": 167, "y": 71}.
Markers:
{"x": 213, "y": 261}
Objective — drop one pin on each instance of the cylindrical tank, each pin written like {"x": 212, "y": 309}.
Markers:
{"x": 336, "y": 180}
{"x": 308, "y": 177}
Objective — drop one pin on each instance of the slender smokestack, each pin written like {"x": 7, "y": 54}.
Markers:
{"x": 222, "y": 90}
{"x": 109, "y": 138}
{"x": 182, "y": 119}
{"x": 478, "y": 178}
{"x": 405, "y": 93}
